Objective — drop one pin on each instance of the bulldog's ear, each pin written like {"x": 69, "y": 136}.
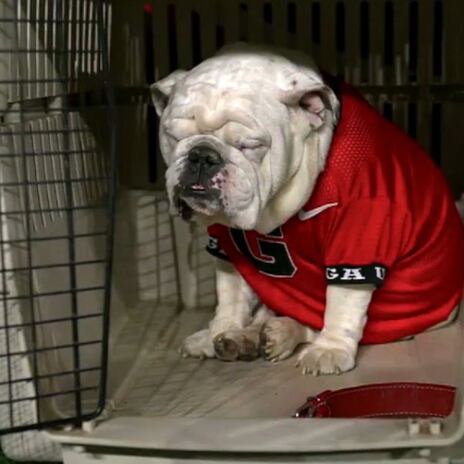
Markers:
{"x": 161, "y": 90}
{"x": 319, "y": 106}
{"x": 318, "y": 101}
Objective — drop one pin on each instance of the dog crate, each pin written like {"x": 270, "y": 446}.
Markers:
{"x": 89, "y": 332}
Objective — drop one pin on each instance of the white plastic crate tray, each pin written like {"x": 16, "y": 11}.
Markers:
{"x": 165, "y": 385}
{"x": 161, "y": 401}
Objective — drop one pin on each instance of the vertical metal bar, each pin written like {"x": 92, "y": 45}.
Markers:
{"x": 340, "y": 37}
{"x": 353, "y": 54}
{"x": 208, "y": 21}
{"x": 436, "y": 141}
{"x": 389, "y": 39}
{"x": 160, "y": 39}
{"x": 38, "y": 163}
{"x": 412, "y": 118}
{"x": 80, "y": 43}
{"x": 376, "y": 33}
{"x": 197, "y": 36}
{"x": 33, "y": 190}
{"x": 400, "y": 108}
{"x": 255, "y": 21}
{"x": 452, "y": 161}
{"x": 329, "y": 55}
{"x": 29, "y": 45}
{"x": 87, "y": 44}
{"x": 57, "y": 173}
{"x": 303, "y": 26}
{"x": 112, "y": 186}
{"x": 437, "y": 54}
{"x": 40, "y": 33}
{"x": 72, "y": 46}
{"x": 62, "y": 34}
{"x": 424, "y": 71}
{"x": 92, "y": 38}
{"x": 46, "y": 65}
{"x": 279, "y": 23}
{"x": 45, "y": 163}
{"x": 54, "y": 46}
{"x": 82, "y": 165}
{"x": 436, "y": 132}
{"x": 34, "y": 44}
{"x": 78, "y": 164}
{"x": 425, "y": 33}
{"x": 151, "y": 120}
{"x": 291, "y": 26}
{"x": 106, "y": 26}
{"x": 172, "y": 38}
{"x": 5, "y": 303}
{"x": 231, "y": 20}
{"x": 27, "y": 217}
{"x": 453, "y": 39}
{"x": 315, "y": 28}
{"x": 184, "y": 34}
{"x": 364, "y": 39}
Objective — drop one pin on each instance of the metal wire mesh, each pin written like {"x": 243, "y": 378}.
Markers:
{"x": 57, "y": 184}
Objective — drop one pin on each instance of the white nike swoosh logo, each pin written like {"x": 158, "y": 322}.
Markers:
{"x": 304, "y": 215}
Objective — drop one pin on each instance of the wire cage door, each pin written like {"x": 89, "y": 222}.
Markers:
{"x": 57, "y": 196}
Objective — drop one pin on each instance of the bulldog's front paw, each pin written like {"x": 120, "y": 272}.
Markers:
{"x": 198, "y": 345}
{"x": 323, "y": 359}
{"x": 237, "y": 344}
{"x": 279, "y": 338}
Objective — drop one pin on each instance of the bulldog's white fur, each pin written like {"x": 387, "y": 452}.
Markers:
{"x": 270, "y": 118}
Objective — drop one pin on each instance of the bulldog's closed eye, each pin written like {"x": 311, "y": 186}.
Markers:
{"x": 250, "y": 145}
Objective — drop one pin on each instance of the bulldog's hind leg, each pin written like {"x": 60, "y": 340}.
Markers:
{"x": 281, "y": 335}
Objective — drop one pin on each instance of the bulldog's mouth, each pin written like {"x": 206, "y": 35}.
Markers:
{"x": 196, "y": 198}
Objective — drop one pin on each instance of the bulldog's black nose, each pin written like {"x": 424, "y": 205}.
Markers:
{"x": 202, "y": 164}
{"x": 204, "y": 155}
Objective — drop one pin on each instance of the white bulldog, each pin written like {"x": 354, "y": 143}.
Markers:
{"x": 245, "y": 136}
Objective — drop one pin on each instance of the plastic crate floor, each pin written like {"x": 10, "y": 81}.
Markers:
{"x": 162, "y": 383}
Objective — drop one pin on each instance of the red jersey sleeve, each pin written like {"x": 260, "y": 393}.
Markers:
{"x": 364, "y": 240}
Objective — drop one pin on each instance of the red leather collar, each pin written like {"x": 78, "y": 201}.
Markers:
{"x": 382, "y": 400}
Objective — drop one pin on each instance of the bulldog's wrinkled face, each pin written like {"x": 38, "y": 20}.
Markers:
{"x": 233, "y": 132}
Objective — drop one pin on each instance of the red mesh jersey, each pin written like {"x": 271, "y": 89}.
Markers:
{"x": 380, "y": 213}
